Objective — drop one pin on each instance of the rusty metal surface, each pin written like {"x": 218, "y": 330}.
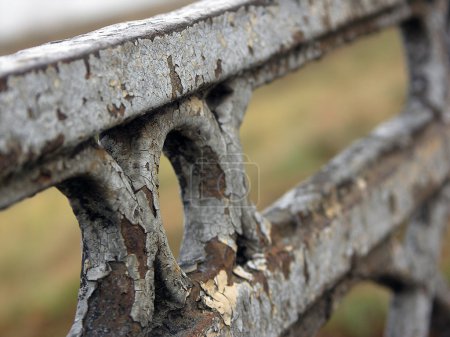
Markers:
{"x": 92, "y": 116}
{"x": 74, "y": 89}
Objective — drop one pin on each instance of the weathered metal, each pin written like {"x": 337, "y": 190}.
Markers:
{"x": 92, "y": 115}
{"x": 73, "y": 89}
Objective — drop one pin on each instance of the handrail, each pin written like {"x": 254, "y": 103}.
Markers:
{"x": 73, "y": 89}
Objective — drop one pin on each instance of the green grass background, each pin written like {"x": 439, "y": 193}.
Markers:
{"x": 292, "y": 127}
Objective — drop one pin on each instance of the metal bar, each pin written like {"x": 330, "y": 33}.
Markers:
{"x": 441, "y": 309}
{"x": 57, "y": 95}
{"x": 410, "y": 314}
{"x": 251, "y": 274}
{"x": 324, "y": 225}
{"x": 319, "y": 228}
{"x": 411, "y": 306}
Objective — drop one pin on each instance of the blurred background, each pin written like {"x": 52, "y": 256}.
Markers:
{"x": 292, "y": 127}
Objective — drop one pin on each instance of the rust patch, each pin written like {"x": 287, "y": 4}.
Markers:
{"x": 45, "y": 176}
{"x": 392, "y": 203}
{"x": 219, "y": 257}
{"x": 213, "y": 184}
{"x": 306, "y": 270}
{"x": 149, "y": 197}
{"x": 350, "y": 194}
{"x": 279, "y": 259}
{"x": 129, "y": 97}
{"x": 189, "y": 321}
{"x": 53, "y": 145}
{"x": 421, "y": 192}
{"x": 175, "y": 80}
{"x": 197, "y": 79}
{"x": 3, "y": 84}
{"x": 259, "y": 277}
{"x": 218, "y": 70}
{"x": 11, "y": 158}
{"x": 298, "y": 37}
{"x": 134, "y": 237}
{"x": 110, "y": 306}
{"x": 61, "y": 115}
{"x": 116, "y": 111}
{"x": 202, "y": 326}
{"x": 31, "y": 114}
{"x": 326, "y": 19}
{"x": 101, "y": 153}
{"x": 88, "y": 67}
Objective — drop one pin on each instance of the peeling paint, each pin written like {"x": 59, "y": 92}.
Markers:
{"x": 239, "y": 271}
{"x": 219, "y": 296}
{"x": 222, "y": 39}
{"x": 177, "y": 87}
{"x": 250, "y": 273}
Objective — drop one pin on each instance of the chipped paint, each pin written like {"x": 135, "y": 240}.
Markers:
{"x": 258, "y": 263}
{"x": 250, "y": 273}
{"x": 83, "y": 76}
{"x": 220, "y": 296}
{"x": 242, "y": 273}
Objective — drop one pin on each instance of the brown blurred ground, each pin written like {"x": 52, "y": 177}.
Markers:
{"x": 292, "y": 128}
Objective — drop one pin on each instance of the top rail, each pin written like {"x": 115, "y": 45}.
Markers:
{"x": 60, "y": 94}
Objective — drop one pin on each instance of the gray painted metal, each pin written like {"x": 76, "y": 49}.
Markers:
{"x": 73, "y": 89}
{"x": 92, "y": 115}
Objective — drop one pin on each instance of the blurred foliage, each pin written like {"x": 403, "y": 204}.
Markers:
{"x": 362, "y": 313}
{"x": 292, "y": 127}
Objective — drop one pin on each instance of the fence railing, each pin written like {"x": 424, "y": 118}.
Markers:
{"x": 92, "y": 115}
